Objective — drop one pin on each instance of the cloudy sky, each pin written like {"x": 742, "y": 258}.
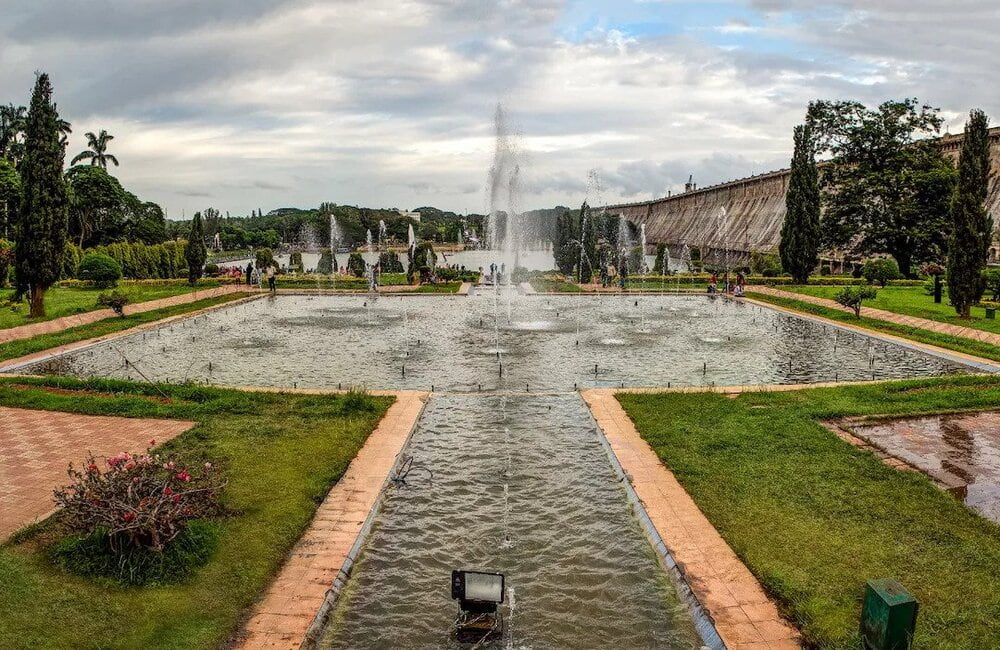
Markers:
{"x": 240, "y": 104}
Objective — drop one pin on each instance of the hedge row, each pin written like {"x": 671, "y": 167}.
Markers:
{"x": 138, "y": 261}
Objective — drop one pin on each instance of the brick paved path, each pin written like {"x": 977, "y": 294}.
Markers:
{"x": 744, "y": 616}
{"x": 36, "y": 447}
{"x": 59, "y": 324}
{"x": 892, "y": 317}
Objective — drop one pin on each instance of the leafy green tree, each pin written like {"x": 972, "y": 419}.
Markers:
{"x": 10, "y": 197}
{"x": 589, "y": 227}
{"x": 852, "y": 297}
{"x": 97, "y": 153}
{"x": 43, "y": 215}
{"x": 800, "y": 232}
{"x": 885, "y": 190}
{"x": 971, "y": 224}
{"x": 6, "y": 260}
{"x": 566, "y": 245}
{"x": 264, "y": 258}
{"x": 96, "y": 205}
{"x": 880, "y": 271}
{"x": 195, "y": 253}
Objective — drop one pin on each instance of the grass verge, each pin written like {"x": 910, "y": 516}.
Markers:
{"x": 67, "y": 301}
{"x": 280, "y": 452}
{"x": 813, "y": 517}
{"x": 22, "y": 347}
{"x": 910, "y": 301}
{"x": 957, "y": 343}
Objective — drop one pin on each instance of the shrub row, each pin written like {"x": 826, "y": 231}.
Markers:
{"x": 136, "y": 259}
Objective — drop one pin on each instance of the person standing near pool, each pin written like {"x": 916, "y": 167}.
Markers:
{"x": 249, "y": 273}
{"x": 270, "y": 278}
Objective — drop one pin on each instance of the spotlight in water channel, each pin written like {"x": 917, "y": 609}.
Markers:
{"x": 478, "y": 595}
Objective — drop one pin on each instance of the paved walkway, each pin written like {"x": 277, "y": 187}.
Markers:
{"x": 65, "y": 322}
{"x": 892, "y": 317}
{"x": 744, "y": 616}
{"x": 36, "y": 447}
{"x": 321, "y": 560}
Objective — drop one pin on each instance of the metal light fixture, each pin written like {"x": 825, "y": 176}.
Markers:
{"x": 478, "y": 595}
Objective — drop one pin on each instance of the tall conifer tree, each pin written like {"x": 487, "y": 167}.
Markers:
{"x": 972, "y": 225}
{"x": 800, "y": 232}
{"x": 196, "y": 253}
{"x": 44, "y": 213}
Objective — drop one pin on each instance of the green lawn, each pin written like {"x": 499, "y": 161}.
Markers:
{"x": 65, "y": 301}
{"x": 22, "y": 347}
{"x": 280, "y": 452}
{"x": 959, "y": 344}
{"x": 813, "y": 517}
{"x": 911, "y": 301}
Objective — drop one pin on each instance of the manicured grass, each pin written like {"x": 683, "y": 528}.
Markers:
{"x": 911, "y": 301}
{"x": 440, "y": 287}
{"x": 22, "y": 347}
{"x": 66, "y": 301}
{"x": 280, "y": 453}
{"x": 813, "y": 517}
{"x": 959, "y": 344}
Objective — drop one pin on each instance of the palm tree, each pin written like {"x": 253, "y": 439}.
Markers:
{"x": 12, "y": 121}
{"x": 98, "y": 152}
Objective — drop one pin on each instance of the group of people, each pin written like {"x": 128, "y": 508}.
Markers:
{"x": 735, "y": 288}
{"x": 254, "y": 277}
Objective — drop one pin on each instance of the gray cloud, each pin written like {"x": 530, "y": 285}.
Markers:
{"x": 387, "y": 102}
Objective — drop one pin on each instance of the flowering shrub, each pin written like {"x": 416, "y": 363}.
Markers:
{"x": 138, "y": 501}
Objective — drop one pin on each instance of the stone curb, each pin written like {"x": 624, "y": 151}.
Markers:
{"x": 735, "y": 606}
{"x": 294, "y": 611}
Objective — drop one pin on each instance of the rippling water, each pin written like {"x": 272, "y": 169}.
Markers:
{"x": 522, "y": 486}
{"x": 452, "y": 342}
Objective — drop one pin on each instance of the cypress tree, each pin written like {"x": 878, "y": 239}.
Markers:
{"x": 800, "y": 232}
{"x": 972, "y": 226}
{"x": 195, "y": 252}
{"x": 44, "y": 213}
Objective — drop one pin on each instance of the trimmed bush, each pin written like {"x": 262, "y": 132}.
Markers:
{"x": 852, "y": 297}
{"x": 211, "y": 269}
{"x": 881, "y": 271}
{"x": 389, "y": 263}
{"x": 356, "y": 265}
{"x": 116, "y": 300}
{"x": 103, "y": 270}
{"x": 327, "y": 263}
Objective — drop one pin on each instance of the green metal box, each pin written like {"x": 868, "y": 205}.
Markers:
{"x": 888, "y": 617}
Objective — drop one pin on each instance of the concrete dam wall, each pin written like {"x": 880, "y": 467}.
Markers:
{"x": 745, "y": 215}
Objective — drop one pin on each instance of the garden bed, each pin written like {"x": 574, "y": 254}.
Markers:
{"x": 280, "y": 453}
{"x": 814, "y": 518}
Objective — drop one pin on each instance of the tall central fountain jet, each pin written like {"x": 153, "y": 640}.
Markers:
{"x": 504, "y": 227}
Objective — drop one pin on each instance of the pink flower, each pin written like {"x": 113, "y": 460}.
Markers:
{"x": 177, "y": 498}
{"x": 167, "y": 491}
{"x": 128, "y": 516}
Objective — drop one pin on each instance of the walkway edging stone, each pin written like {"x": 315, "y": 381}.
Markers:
{"x": 742, "y": 615}
{"x": 300, "y": 599}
